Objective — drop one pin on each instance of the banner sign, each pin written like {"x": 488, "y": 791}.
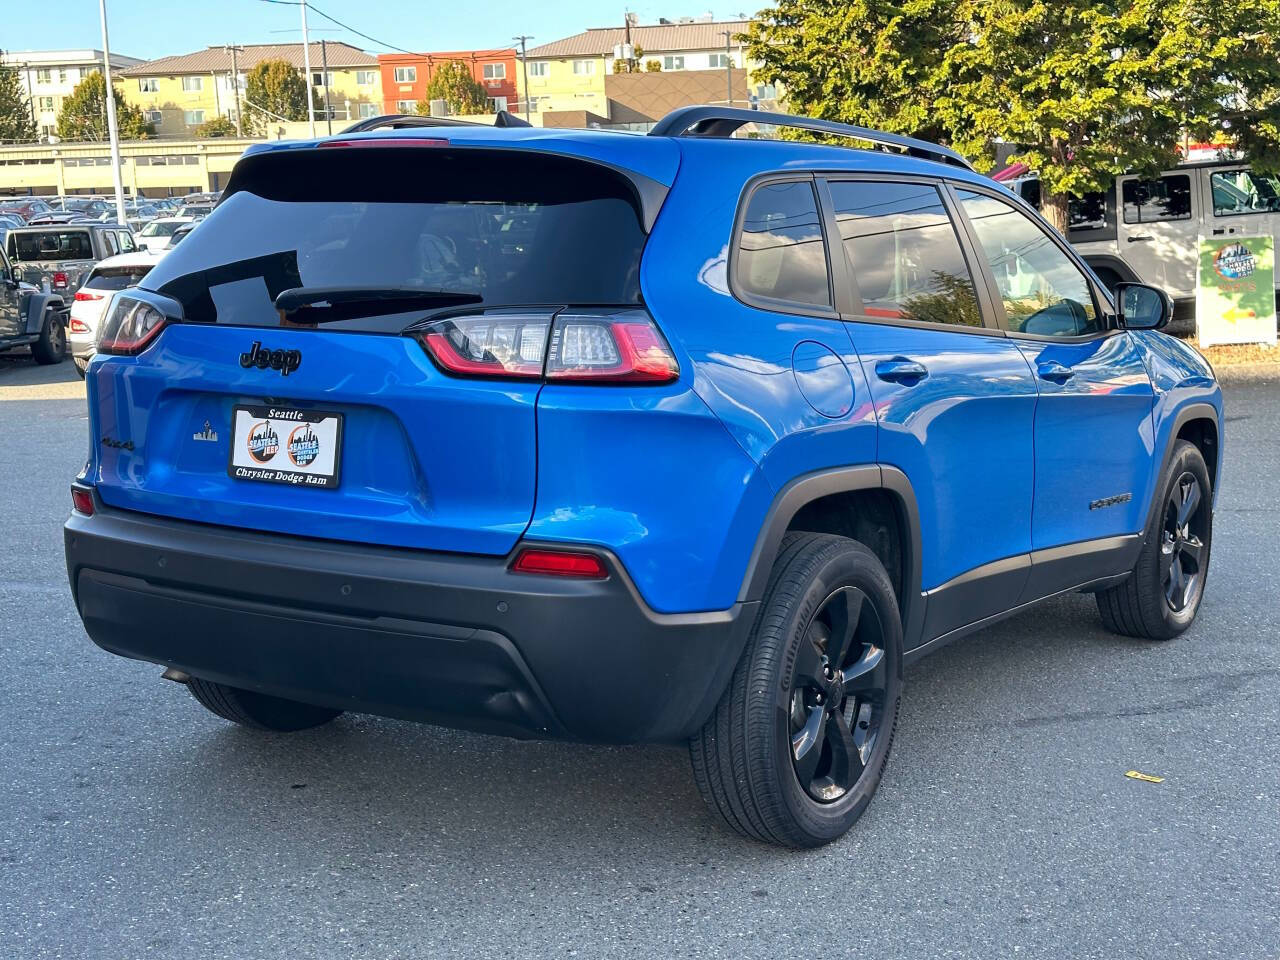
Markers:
{"x": 1236, "y": 291}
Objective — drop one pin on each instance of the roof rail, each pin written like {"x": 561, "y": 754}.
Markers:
{"x": 401, "y": 121}
{"x": 707, "y": 121}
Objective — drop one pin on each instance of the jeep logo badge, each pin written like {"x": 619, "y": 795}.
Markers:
{"x": 286, "y": 361}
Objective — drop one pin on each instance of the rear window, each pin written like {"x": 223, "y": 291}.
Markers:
{"x": 116, "y": 278}
{"x": 514, "y": 227}
{"x": 1151, "y": 201}
{"x": 159, "y": 228}
{"x": 50, "y": 245}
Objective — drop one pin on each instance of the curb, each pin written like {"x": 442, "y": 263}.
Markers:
{"x": 1248, "y": 373}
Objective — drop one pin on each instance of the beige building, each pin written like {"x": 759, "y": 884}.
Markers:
{"x": 178, "y": 94}
{"x": 49, "y": 76}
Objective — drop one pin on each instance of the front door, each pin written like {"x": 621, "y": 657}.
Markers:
{"x": 1093, "y": 421}
{"x": 1159, "y": 229}
{"x": 10, "y": 301}
{"x": 954, "y": 398}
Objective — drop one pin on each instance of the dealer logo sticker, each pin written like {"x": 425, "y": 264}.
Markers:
{"x": 303, "y": 446}
{"x": 263, "y": 443}
{"x": 1235, "y": 261}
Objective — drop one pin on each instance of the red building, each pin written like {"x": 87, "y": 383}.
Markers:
{"x": 405, "y": 77}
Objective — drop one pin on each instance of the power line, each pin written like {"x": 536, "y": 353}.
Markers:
{"x": 350, "y": 29}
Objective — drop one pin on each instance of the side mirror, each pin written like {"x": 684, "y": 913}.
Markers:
{"x": 1143, "y": 307}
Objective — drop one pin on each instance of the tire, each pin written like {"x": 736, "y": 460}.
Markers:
{"x": 775, "y": 761}
{"x": 52, "y": 345}
{"x": 1150, "y": 604}
{"x": 82, "y": 366}
{"x": 258, "y": 711}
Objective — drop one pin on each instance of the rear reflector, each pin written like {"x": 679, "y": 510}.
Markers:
{"x": 82, "y": 501}
{"x": 559, "y": 563}
{"x": 86, "y": 295}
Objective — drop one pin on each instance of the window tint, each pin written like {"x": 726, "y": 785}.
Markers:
{"x": 50, "y": 245}
{"x": 1085, "y": 213}
{"x": 904, "y": 252}
{"x": 1044, "y": 292}
{"x": 1243, "y": 191}
{"x": 119, "y": 278}
{"x": 780, "y": 253}
{"x": 1150, "y": 201}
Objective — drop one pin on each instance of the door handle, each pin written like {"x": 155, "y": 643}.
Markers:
{"x": 901, "y": 370}
{"x": 1054, "y": 371}
{"x": 1141, "y": 238}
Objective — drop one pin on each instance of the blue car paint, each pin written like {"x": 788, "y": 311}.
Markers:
{"x": 677, "y": 480}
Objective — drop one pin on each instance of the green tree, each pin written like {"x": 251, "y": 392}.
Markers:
{"x": 16, "y": 125}
{"x": 1084, "y": 89}
{"x": 453, "y": 83}
{"x": 219, "y": 126}
{"x": 84, "y": 113}
{"x": 274, "y": 90}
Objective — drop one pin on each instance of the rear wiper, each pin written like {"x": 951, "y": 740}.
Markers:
{"x": 327, "y": 304}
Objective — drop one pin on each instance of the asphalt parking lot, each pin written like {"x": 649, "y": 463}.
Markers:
{"x": 137, "y": 825}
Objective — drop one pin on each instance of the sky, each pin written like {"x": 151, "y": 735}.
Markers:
{"x": 150, "y": 29}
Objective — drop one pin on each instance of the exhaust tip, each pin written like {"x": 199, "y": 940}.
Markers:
{"x": 176, "y": 675}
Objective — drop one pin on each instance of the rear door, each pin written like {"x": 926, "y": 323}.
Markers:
{"x": 954, "y": 398}
{"x": 1093, "y": 420}
{"x": 1159, "y": 229}
{"x": 11, "y": 321}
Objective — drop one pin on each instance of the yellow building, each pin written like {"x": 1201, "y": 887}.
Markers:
{"x": 177, "y": 94}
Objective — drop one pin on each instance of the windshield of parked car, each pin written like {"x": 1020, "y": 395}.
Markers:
{"x": 515, "y": 228}
{"x": 50, "y": 245}
{"x": 160, "y": 228}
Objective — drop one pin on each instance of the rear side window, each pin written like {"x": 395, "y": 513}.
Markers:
{"x": 118, "y": 278}
{"x": 904, "y": 252}
{"x": 1243, "y": 191}
{"x": 109, "y": 241}
{"x": 50, "y": 245}
{"x": 781, "y": 255}
{"x": 515, "y": 227}
{"x": 126, "y": 242}
{"x": 1151, "y": 201}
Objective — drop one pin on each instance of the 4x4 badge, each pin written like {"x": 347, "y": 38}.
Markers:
{"x": 206, "y": 434}
{"x": 286, "y": 361}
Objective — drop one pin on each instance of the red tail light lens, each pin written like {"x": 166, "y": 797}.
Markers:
{"x": 79, "y": 326}
{"x": 130, "y": 326}
{"x": 561, "y": 563}
{"x": 59, "y": 279}
{"x": 83, "y": 295}
{"x": 621, "y": 348}
{"x": 493, "y": 345}
{"x": 82, "y": 501}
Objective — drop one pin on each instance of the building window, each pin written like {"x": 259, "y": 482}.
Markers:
{"x": 62, "y": 75}
{"x": 718, "y": 61}
{"x": 406, "y": 74}
{"x": 193, "y": 118}
{"x": 154, "y": 116}
{"x": 44, "y": 76}
{"x": 406, "y": 106}
{"x": 319, "y": 79}
{"x": 495, "y": 103}
{"x": 584, "y": 68}
{"x": 48, "y": 130}
{"x": 193, "y": 84}
{"x": 368, "y": 110}
{"x": 495, "y": 71}
{"x": 149, "y": 85}
{"x": 365, "y": 77}
{"x": 673, "y": 63}
{"x": 46, "y": 103}
{"x": 539, "y": 68}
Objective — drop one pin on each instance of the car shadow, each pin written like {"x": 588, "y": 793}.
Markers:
{"x": 18, "y": 369}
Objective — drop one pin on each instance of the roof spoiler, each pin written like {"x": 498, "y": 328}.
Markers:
{"x": 722, "y": 122}
{"x": 401, "y": 121}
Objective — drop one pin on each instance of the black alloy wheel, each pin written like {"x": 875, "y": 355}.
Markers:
{"x": 839, "y": 686}
{"x": 1182, "y": 545}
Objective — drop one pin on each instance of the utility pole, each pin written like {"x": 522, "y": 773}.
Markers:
{"x": 524, "y": 63}
{"x": 306, "y": 66}
{"x": 324, "y": 75}
{"x": 728, "y": 63}
{"x": 235, "y": 82}
{"x": 111, "y": 115}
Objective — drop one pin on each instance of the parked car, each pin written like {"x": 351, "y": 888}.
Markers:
{"x": 156, "y": 234}
{"x": 59, "y": 257}
{"x": 30, "y": 317}
{"x": 1149, "y": 230}
{"x": 737, "y": 429}
{"x": 180, "y": 234}
{"x": 44, "y": 219}
{"x": 26, "y": 207}
{"x": 195, "y": 211}
{"x": 91, "y": 300}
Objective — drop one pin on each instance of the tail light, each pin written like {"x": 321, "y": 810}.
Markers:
{"x": 83, "y": 295}
{"x": 78, "y": 325}
{"x": 131, "y": 324}
{"x": 560, "y": 563}
{"x": 621, "y": 347}
{"x": 59, "y": 279}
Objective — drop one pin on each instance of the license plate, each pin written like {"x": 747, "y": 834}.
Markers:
{"x": 286, "y": 445}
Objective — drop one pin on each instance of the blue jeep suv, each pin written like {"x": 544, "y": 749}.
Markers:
{"x": 686, "y": 437}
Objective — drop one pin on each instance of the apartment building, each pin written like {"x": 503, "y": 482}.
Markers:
{"x": 49, "y": 76}
{"x": 572, "y": 74}
{"x": 179, "y": 93}
{"x": 405, "y": 77}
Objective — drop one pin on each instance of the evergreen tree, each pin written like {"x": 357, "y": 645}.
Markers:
{"x": 84, "y": 114}
{"x": 16, "y": 125}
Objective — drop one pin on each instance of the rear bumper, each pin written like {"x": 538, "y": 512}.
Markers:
{"x": 450, "y": 639}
